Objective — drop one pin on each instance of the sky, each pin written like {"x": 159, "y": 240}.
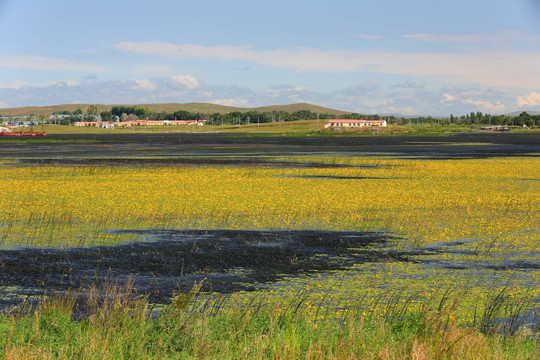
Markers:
{"x": 415, "y": 57}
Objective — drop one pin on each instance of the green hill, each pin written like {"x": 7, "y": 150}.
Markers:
{"x": 204, "y": 108}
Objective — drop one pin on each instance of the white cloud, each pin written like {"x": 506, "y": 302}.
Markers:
{"x": 377, "y": 103}
{"x": 368, "y": 36}
{"x": 13, "y": 85}
{"x": 47, "y": 64}
{"x": 143, "y": 84}
{"x": 153, "y": 70}
{"x": 486, "y": 106}
{"x": 531, "y": 99}
{"x": 481, "y": 38}
{"x": 232, "y": 102}
{"x": 16, "y": 85}
{"x": 489, "y": 68}
{"x": 184, "y": 51}
{"x": 447, "y": 97}
{"x": 409, "y": 84}
{"x": 86, "y": 51}
{"x": 363, "y": 98}
{"x": 189, "y": 81}
{"x": 285, "y": 90}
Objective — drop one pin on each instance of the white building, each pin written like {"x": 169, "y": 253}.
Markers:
{"x": 340, "y": 123}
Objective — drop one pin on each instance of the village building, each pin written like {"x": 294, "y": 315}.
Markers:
{"x": 340, "y": 123}
{"x": 112, "y": 125}
{"x": 87, "y": 123}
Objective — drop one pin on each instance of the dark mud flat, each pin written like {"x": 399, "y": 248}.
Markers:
{"x": 180, "y": 161}
{"x": 470, "y": 259}
{"x": 333, "y": 177}
{"x": 172, "y": 260}
{"x": 242, "y": 149}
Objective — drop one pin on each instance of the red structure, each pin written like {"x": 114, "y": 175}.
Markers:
{"x": 32, "y": 133}
{"x": 10, "y": 132}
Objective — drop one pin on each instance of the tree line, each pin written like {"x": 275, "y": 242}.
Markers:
{"x": 124, "y": 113}
{"x": 474, "y": 118}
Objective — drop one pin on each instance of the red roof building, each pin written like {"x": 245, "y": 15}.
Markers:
{"x": 340, "y": 123}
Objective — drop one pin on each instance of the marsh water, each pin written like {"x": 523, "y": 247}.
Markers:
{"x": 162, "y": 261}
{"x": 242, "y": 150}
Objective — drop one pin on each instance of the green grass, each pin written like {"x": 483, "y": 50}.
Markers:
{"x": 198, "y": 327}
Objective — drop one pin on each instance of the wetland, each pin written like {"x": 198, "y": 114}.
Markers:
{"x": 271, "y": 214}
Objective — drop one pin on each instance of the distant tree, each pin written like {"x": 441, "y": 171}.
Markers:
{"x": 182, "y": 115}
{"x": 119, "y": 110}
{"x": 479, "y": 116}
{"x": 160, "y": 116}
{"x": 523, "y": 119}
{"x": 106, "y": 116}
{"x": 216, "y": 118}
{"x": 71, "y": 119}
{"x": 473, "y": 118}
{"x": 132, "y": 117}
{"x": 302, "y": 115}
{"x": 141, "y": 112}
{"x": 92, "y": 110}
{"x": 63, "y": 112}
{"x": 77, "y": 112}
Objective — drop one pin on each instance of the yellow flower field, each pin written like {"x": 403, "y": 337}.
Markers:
{"x": 489, "y": 206}
{"x": 425, "y": 201}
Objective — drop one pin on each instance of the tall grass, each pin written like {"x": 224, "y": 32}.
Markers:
{"x": 118, "y": 325}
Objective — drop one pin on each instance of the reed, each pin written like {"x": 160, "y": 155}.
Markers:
{"x": 119, "y": 325}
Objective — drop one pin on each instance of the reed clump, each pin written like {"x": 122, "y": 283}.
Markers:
{"x": 118, "y": 324}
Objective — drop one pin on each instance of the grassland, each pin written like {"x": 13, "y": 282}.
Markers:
{"x": 191, "y": 329}
{"x": 469, "y": 225}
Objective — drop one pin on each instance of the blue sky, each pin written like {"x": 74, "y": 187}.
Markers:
{"x": 386, "y": 57}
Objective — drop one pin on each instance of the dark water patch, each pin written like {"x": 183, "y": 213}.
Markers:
{"x": 169, "y": 161}
{"x": 334, "y": 177}
{"x": 442, "y": 155}
{"x": 471, "y": 258}
{"x": 474, "y": 264}
{"x": 171, "y": 260}
{"x": 446, "y": 244}
{"x": 525, "y": 323}
{"x": 471, "y": 146}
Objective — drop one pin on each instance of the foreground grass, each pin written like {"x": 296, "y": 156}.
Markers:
{"x": 120, "y": 327}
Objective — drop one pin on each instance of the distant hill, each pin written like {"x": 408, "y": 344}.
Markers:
{"x": 169, "y": 108}
{"x": 530, "y": 112}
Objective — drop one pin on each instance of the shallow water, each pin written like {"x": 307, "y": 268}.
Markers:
{"x": 170, "y": 260}
{"x": 235, "y": 149}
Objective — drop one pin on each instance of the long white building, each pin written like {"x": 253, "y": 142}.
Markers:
{"x": 339, "y": 123}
